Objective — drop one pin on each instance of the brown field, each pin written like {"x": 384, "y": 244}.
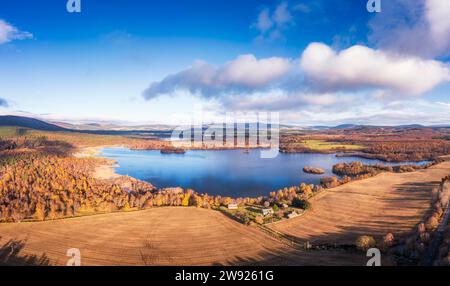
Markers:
{"x": 386, "y": 203}
{"x": 163, "y": 236}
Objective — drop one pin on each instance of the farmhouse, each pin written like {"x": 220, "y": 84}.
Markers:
{"x": 292, "y": 214}
{"x": 267, "y": 212}
{"x": 232, "y": 206}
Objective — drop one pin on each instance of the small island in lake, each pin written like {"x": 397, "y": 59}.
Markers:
{"x": 312, "y": 170}
{"x": 173, "y": 151}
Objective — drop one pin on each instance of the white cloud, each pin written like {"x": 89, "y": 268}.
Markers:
{"x": 333, "y": 79}
{"x": 444, "y": 104}
{"x": 248, "y": 71}
{"x": 362, "y": 67}
{"x": 325, "y": 99}
{"x": 245, "y": 73}
{"x": 9, "y": 33}
{"x": 279, "y": 100}
{"x": 373, "y": 113}
{"x": 438, "y": 17}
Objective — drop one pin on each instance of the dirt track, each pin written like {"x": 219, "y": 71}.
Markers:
{"x": 386, "y": 203}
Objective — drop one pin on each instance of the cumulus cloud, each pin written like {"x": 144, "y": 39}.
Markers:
{"x": 373, "y": 113}
{"x": 423, "y": 28}
{"x": 245, "y": 73}
{"x": 248, "y": 83}
{"x": 9, "y": 33}
{"x": 280, "y": 100}
{"x": 363, "y": 67}
{"x": 437, "y": 15}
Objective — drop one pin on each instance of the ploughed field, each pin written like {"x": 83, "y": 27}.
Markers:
{"x": 376, "y": 206}
{"x": 160, "y": 236}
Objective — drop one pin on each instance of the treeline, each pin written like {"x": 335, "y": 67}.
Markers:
{"x": 291, "y": 195}
{"x": 279, "y": 201}
{"x": 443, "y": 255}
{"x": 355, "y": 169}
{"x": 38, "y": 144}
{"x": 412, "y": 151}
{"x": 413, "y": 248}
{"x": 349, "y": 172}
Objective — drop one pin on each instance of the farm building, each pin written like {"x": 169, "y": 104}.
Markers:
{"x": 232, "y": 206}
{"x": 292, "y": 214}
{"x": 267, "y": 212}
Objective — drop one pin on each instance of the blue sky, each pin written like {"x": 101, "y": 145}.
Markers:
{"x": 143, "y": 61}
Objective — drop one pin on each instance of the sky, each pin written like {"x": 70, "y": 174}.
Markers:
{"x": 316, "y": 62}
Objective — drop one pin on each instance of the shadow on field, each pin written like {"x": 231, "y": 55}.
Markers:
{"x": 10, "y": 255}
{"x": 408, "y": 197}
{"x": 300, "y": 257}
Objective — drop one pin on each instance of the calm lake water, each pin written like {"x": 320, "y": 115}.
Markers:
{"x": 227, "y": 173}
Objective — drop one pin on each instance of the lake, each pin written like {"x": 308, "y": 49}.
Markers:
{"x": 227, "y": 172}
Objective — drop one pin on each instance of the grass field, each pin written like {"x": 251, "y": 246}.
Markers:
{"x": 162, "y": 236}
{"x": 386, "y": 203}
{"x": 325, "y": 145}
{"x": 9, "y": 131}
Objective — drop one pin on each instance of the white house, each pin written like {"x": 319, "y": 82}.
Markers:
{"x": 232, "y": 206}
{"x": 267, "y": 212}
{"x": 292, "y": 214}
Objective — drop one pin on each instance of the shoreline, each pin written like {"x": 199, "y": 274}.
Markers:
{"x": 103, "y": 171}
{"x": 107, "y": 171}
{"x": 92, "y": 151}
{"x": 95, "y": 150}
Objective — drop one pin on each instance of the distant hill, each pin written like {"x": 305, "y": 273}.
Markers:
{"x": 441, "y": 126}
{"x": 356, "y": 126}
{"x": 107, "y": 128}
{"x": 36, "y": 124}
{"x": 412, "y": 126}
{"x": 27, "y": 122}
{"x": 112, "y": 127}
{"x": 348, "y": 126}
